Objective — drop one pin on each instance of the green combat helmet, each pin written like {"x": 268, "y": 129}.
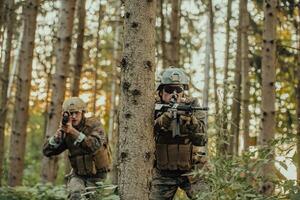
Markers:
{"x": 173, "y": 76}
{"x": 73, "y": 104}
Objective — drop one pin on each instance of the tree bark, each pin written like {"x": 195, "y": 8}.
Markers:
{"x": 175, "y": 34}
{"x": 268, "y": 78}
{"x": 97, "y": 59}
{"x": 236, "y": 105}
{"x": 79, "y": 55}
{"x": 207, "y": 64}
{"x": 298, "y": 99}
{"x": 225, "y": 81}
{"x": 245, "y": 74}
{"x": 212, "y": 48}
{"x": 4, "y": 78}
{"x": 112, "y": 136}
{"x": 67, "y": 8}
{"x": 136, "y": 141}
{"x": 162, "y": 33}
{"x": 23, "y": 84}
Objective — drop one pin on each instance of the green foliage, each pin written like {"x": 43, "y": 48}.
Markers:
{"x": 49, "y": 192}
{"x": 241, "y": 178}
{"x": 38, "y": 192}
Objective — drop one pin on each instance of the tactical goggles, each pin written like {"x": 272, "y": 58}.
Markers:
{"x": 171, "y": 88}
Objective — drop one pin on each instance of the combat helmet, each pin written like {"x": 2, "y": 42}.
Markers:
{"x": 73, "y": 104}
{"x": 172, "y": 76}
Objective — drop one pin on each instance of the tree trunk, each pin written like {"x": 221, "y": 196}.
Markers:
{"x": 136, "y": 141}
{"x": 245, "y": 74}
{"x": 207, "y": 64}
{"x": 20, "y": 119}
{"x": 225, "y": 81}
{"x": 212, "y": 48}
{"x": 236, "y": 104}
{"x": 112, "y": 136}
{"x": 79, "y": 49}
{"x": 2, "y": 15}
{"x": 175, "y": 33}
{"x": 67, "y": 8}
{"x": 298, "y": 99}
{"x": 97, "y": 59}
{"x": 4, "y": 79}
{"x": 162, "y": 33}
{"x": 268, "y": 78}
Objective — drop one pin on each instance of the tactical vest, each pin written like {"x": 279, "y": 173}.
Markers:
{"x": 85, "y": 163}
{"x": 174, "y": 156}
{"x": 173, "y": 153}
{"x": 91, "y": 164}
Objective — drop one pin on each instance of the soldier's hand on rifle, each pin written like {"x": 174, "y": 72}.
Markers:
{"x": 165, "y": 119}
{"x": 58, "y": 135}
{"x": 189, "y": 121}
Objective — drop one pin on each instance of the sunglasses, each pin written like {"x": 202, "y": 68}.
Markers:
{"x": 75, "y": 113}
{"x": 170, "y": 89}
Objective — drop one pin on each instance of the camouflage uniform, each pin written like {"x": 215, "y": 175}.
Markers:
{"x": 176, "y": 156}
{"x": 89, "y": 158}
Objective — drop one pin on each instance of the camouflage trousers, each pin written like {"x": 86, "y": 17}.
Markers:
{"x": 76, "y": 185}
{"x": 164, "y": 186}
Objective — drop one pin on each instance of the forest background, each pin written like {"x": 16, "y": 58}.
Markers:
{"x": 51, "y": 50}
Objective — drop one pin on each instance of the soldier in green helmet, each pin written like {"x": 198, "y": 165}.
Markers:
{"x": 87, "y": 146}
{"x": 179, "y": 155}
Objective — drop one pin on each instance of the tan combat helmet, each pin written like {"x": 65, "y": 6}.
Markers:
{"x": 73, "y": 104}
{"x": 173, "y": 76}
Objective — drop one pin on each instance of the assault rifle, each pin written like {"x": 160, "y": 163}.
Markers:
{"x": 65, "y": 118}
{"x": 176, "y": 109}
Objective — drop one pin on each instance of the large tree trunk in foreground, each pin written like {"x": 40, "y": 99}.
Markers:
{"x": 136, "y": 141}
{"x": 67, "y": 8}
{"x": 23, "y": 84}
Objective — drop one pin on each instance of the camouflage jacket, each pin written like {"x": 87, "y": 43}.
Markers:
{"x": 94, "y": 139}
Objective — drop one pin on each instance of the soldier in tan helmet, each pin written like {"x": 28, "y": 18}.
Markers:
{"x": 177, "y": 155}
{"x": 87, "y": 145}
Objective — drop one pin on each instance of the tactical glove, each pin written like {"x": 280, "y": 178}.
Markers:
{"x": 164, "y": 120}
{"x": 189, "y": 123}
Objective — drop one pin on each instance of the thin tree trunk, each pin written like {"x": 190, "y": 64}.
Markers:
{"x": 207, "y": 64}
{"x": 175, "y": 33}
{"x": 236, "y": 104}
{"x": 81, "y": 13}
{"x": 245, "y": 74}
{"x": 4, "y": 79}
{"x": 162, "y": 33}
{"x": 97, "y": 59}
{"x": 298, "y": 99}
{"x": 212, "y": 48}
{"x": 268, "y": 78}
{"x": 225, "y": 81}
{"x": 112, "y": 138}
{"x": 49, "y": 165}
{"x": 136, "y": 141}
{"x": 2, "y": 15}
{"x": 20, "y": 119}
